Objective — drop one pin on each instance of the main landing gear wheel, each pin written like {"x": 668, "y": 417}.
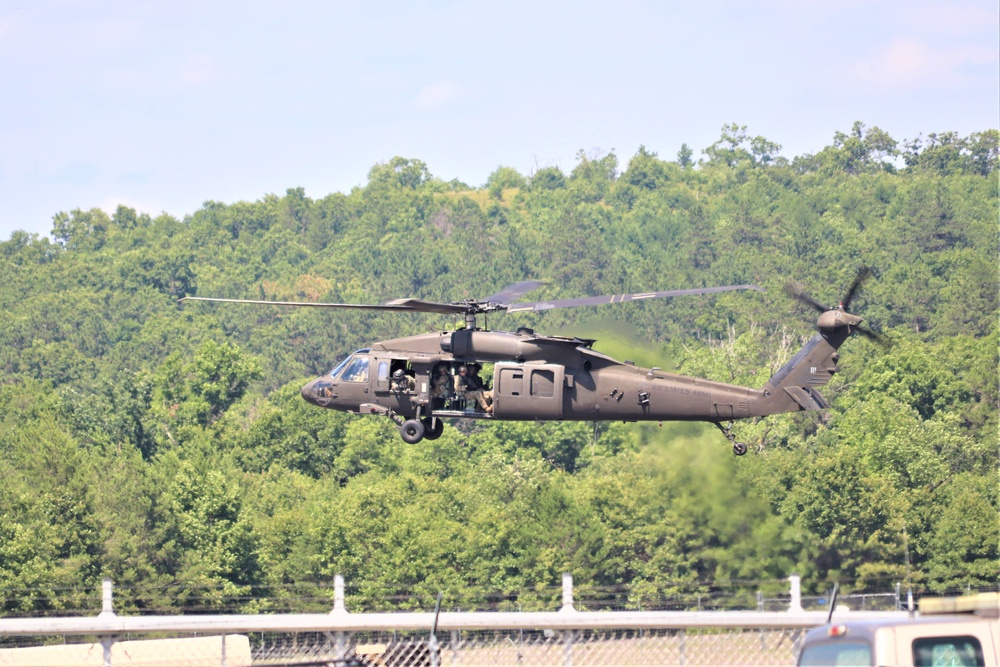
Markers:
{"x": 433, "y": 427}
{"x": 412, "y": 431}
{"x": 739, "y": 448}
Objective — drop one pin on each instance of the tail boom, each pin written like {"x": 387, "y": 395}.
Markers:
{"x": 794, "y": 387}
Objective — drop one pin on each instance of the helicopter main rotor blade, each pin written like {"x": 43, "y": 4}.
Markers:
{"x": 405, "y": 305}
{"x": 622, "y": 298}
{"x": 492, "y": 303}
{"x": 511, "y": 292}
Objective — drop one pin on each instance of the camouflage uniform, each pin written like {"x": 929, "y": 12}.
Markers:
{"x": 441, "y": 385}
{"x": 480, "y": 385}
{"x": 467, "y": 388}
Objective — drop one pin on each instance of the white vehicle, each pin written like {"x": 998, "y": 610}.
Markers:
{"x": 948, "y": 632}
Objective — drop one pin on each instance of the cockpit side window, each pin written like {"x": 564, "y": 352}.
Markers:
{"x": 356, "y": 371}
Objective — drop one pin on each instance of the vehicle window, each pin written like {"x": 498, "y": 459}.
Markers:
{"x": 383, "y": 371}
{"x": 339, "y": 367}
{"x": 356, "y": 371}
{"x": 543, "y": 383}
{"x": 512, "y": 381}
{"x": 948, "y": 652}
{"x": 839, "y": 653}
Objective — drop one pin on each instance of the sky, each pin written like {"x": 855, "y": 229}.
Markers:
{"x": 164, "y": 106}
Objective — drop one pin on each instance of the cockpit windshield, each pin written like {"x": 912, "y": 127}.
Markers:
{"x": 356, "y": 371}
{"x": 339, "y": 367}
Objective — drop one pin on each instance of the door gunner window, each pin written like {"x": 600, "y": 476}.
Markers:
{"x": 356, "y": 371}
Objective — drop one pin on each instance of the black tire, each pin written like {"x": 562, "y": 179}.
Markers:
{"x": 739, "y": 448}
{"x": 433, "y": 427}
{"x": 411, "y": 431}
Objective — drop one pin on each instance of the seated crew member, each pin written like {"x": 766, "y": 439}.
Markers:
{"x": 441, "y": 385}
{"x": 466, "y": 388}
{"x": 478, "y": 381}
{"x": 357, "y": 371}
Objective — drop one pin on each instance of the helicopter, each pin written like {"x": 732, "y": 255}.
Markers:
{"x": 419, "y": 381}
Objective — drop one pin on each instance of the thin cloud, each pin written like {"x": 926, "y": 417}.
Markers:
{"x": 438, "y": 96}
{"x": 956, "y": 19}
{"x": 113, "y": 34}
{"x": 908, "y": 61}
{"x": 196, "y": 70}
{"x": 71, "y": 173}
{"x": 379, "y": 81}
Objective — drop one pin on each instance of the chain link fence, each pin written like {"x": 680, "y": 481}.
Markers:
{"x": 711, "y": 646}
{"x": 597, "y": 628}
{"x": 517, "y": 648}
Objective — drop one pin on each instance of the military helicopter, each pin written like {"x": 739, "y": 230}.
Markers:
{"x": 418, "y": 381}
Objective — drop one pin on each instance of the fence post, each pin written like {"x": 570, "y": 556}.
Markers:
{"x": 567, "y": 607}
{"x": 795, "y": 605}
{"x": 107, "y": 591}
{"x": 567, "y": 592}
{"x": 338, "y": 595}
{"x": 107, "y": 609}
{"x": 340, "y": 638}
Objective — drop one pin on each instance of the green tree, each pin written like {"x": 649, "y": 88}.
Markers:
{"x": 196, "y": 392}
{"x": 504, "y": 178}
{"x": 684, "y": 156}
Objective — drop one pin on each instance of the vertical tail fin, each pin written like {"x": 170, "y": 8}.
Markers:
{"x": 794, "y": 386}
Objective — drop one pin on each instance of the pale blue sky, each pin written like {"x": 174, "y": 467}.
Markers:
{"x": 162, "y": 106}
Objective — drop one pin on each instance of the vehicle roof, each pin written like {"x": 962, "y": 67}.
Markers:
{"x": 867, "y": 628}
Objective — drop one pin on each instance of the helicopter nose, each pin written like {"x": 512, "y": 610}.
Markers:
{"x": 318, "y": 392}
{"x": 307, "y": 391}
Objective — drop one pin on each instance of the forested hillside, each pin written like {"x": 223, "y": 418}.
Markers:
{"x": 167, "y": 447}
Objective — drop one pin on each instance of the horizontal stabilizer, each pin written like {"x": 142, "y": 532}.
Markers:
{"x": 808, "y": 399}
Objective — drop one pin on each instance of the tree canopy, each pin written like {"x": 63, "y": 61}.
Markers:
{"x": 167, "y": 447}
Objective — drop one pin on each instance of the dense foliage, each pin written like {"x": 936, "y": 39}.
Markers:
{"x": 167, "y": 447}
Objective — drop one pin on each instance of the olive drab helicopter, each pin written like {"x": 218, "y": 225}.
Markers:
{"x": 418, "y": 381}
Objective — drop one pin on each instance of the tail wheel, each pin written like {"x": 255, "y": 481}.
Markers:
{"x": 739, "y": 448}
{"x": 411, "y": 431}
{"x": 433, "y": 427}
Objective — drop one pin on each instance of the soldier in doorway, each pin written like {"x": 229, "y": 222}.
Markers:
{"x": 442, "y": 386}
{"x": 403, "y": 381}
{"x": 467, "y": 388}
{"x": 478, "y": 381}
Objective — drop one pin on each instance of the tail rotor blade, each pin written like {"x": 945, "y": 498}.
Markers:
{"x": 840, "y": 315}
{"x": 863, "y": 274}
{"x": 797, "y": 293}
{"x": 874, "y": 337}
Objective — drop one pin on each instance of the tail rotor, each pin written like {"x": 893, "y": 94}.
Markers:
{"x": 833, "y": 318}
